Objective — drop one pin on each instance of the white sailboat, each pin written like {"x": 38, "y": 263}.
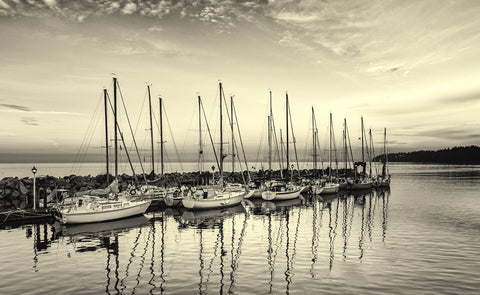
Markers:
{"x": 84, "y": 208}
{"x": 279, "y": 190}
{"x": 384, "y": 179}
{"x": 276, "y": 189}
{"x": 329, "y": 187}
{"x": 362, "y": 181}
{"x": 209, "y": 197}
{"x": 90, "y": 209}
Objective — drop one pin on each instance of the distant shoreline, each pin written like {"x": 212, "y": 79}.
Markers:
{"x": 468, "y": 155}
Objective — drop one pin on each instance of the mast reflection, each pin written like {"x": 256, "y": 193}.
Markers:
{"x": 135, "y": 256}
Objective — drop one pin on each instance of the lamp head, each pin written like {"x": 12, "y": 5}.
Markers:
{"x": 34, "y": 170}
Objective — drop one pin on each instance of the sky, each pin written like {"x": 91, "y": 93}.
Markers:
{"x": 409, "y": 66}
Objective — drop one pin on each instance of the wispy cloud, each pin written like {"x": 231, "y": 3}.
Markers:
{"x": 473, "y": 97}
{"x": 41, "y": 112}
{"x": 30, "y": 121}
{"x": 16, "y": 107}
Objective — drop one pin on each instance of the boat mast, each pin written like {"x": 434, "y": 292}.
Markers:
{"x": 106, "y": 133}
{"x": 160, "y": 103}
{"x": 200, "y": 145}
{"x": 330, "y": 151}
{"x": 151, "y": 128}
{"x": 314, "y": 133}
{"x": 115, "y": 119}
{"x": 286, "y": 113}
{"x": 270, "y": 135}
{"x": 281, "y": 154}
{"x": 363, "y": 152}
{"x": 233, "y": 135}
{"x": 221, "y": 136}
{"x": 384, "y": 170}
{"x": 370, "y": 154}
{"x": 345, "y": 144}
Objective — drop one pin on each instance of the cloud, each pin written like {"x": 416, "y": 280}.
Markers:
{"x": 461, "y": 98}
{"x": 50, "y": 3}
{"x": 129, "y": 8}
{"x": 30, "y": 121}
{"x": 16, "y": 107}
{"x": 155, "y": 29}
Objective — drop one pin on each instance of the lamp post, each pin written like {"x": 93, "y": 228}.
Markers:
{"x": 34, "y": 171}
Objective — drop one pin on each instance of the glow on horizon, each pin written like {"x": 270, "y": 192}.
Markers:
{"x": 411, "y": 67}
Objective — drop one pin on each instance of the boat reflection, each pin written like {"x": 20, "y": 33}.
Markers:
{"x": 147, "y": 254}
{"x": 102, "y": 229}
{"x": 210, "y": 217}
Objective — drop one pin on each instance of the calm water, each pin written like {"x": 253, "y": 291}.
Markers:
{"x": 421, "y": 237}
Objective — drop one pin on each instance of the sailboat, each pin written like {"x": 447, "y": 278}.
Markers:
{"x": 84, "y": 208}
{"x": 329, "y": 187}
{"x": 279, "y": 189}
{"x": 384, "y": 179}
{"x": 362, "y": 180}
{"x": 214, "y": 196}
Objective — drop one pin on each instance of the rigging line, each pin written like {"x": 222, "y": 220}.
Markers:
{"x": 373, "y": 152}
{"x": 294, "y": 140}
{"x": 82, "y": 145}
{"x": 260, "y": 147}
{"x": 141, "y": 111}
{"x": 173, "y": 139}
{"x": 276, "y": 144}
{"x": 318, "y": 145}
{"x": 241, "y": 144}
{"x": 124, "y": 145}
{"x": 210, "y": 135}
{"x": 261, "y": 139}
{"x": 192, "y": 116}
{"x": 349, "y": 144}
{"x": 334, "y": 150}
{"x": 133, "y": 136}
{"x": 306, "y": 146}
{"x": 88, "y": 144}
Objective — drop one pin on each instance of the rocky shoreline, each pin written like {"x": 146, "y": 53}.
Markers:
{"x": 17, "y": 193}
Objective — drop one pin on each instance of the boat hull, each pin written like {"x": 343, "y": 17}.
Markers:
{"x": 333, "y": 189}
{"x": 324, "y": 190}
{"x": 230, "y": 199}
{"x": 99, "y": 216}
{"x": 287, "y": 195}
{"x": 361, "y": 185}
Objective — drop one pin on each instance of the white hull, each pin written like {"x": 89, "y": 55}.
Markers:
{"x": 225, "y": 200}
{"x": 99, "y": 214}
{"x": 330, "y": 189}
{"x": 287, "y": 195}
{"x": 327, "y": 189}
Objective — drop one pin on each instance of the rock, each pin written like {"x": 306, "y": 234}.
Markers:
{"x": 16, "y": 193}
{"x": 22, "y": 188}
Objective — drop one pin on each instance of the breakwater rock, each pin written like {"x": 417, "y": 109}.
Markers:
{"x": 18, "y": 192}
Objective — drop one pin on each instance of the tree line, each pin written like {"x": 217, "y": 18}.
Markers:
{"x": 455, "y": 155}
